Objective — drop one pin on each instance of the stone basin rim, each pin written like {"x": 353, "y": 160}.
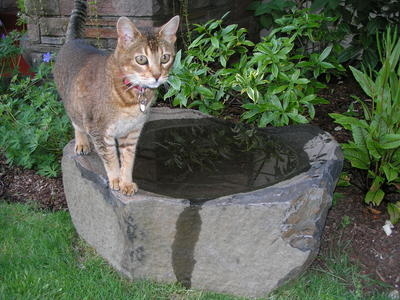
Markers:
{"x": 274, "y": 191}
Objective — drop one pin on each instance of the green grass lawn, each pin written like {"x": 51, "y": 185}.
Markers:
{"x": 41, "y": 257}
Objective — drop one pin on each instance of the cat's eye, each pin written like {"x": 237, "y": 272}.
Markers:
{"x": 165, "y": 58}
{"x": 141, "y": 59}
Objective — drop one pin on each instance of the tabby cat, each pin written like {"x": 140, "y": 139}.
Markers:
{"x": 107, "y": 96}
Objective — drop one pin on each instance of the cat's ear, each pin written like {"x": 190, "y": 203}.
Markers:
{"x": 127, "y": 32}
{"x": 168, "y": 30}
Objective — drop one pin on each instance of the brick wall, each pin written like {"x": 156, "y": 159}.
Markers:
{"x": 48, "y": 19}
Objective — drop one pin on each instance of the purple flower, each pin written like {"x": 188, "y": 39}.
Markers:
{"x": 3, "y": 36}
{"x": 46, "y": 57}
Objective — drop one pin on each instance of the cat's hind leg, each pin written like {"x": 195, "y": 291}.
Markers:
{"x": 82, "y": 144}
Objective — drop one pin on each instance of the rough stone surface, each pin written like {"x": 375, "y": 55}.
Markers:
{"x": 245, "y": 244}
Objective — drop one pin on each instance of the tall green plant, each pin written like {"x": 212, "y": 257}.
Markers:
{"x": 375, "y": 147}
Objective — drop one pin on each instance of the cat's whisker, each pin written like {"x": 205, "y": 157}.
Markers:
{"x": 128, "y": 88}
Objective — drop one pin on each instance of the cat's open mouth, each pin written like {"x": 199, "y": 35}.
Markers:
{"x": 130, "y": 85}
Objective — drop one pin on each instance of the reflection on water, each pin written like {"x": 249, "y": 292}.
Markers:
{"x": 201, "y": 159}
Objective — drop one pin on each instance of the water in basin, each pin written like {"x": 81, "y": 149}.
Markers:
{"x": 202, "y": 159}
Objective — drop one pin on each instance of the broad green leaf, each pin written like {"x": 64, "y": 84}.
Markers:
{"x": 274, "y": 100}
{"x": 177, "y": 60}
{"x": 373, "y": 148}
{"x": 253, "y": 94}
{"x": 170, "y": 93}
{"x": 205, "y": 91}
{"x": 288, "y": 28}
{"x": 175, "y": 82}
{"x": 275, "y": 70}
{"x": 327, "y": 65}
{"x": 197, "y": 41}
{"x": 360, "y": 137}
{"x": 308, "y": 98}
{"x": 302, "y": 81}
{"x": 222, "y": 61}
{"x": 295, "y": 75}
{"x": 394, "y": 212}
{"x": 297, "y": 118}
{"x": 366, "y": 110}
{"x": 180, "y": 100}
{"x": 390, "y": 172}
{"x": 390, "y": 141}
{"x": 325, "y": 53}
{"x": 357, "y": 158}
{"x": 217, "y": 106}
{"x": 347, "y": 121}
{"x": 214, "y": 25}
{"x": 279, "y": 89}
{"x": 374, "y": 197}
{"x": 265, "y": 119}
{"x": 365, "y": 82}
{"x": 249, "y": 114}
{"x": 311, "y": 110}
{"x": 215, "y": 42}
{"x": 228, "y": 29}
{"x": 250, "y": 106}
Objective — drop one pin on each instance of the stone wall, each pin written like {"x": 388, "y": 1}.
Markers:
{"x": 48, "y": 19}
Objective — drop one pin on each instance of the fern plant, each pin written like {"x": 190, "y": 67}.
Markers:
{"x": 375, "y": 147}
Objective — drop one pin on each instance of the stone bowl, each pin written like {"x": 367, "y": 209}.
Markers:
{"x": 246, "y": 243}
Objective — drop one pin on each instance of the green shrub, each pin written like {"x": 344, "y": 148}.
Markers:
{"x": 353, "y": 22}
{"x": 375, "y": 147}
{"x": 360, "y": 21}
{"x": 34, "y": 127}
{"x": 272, "y": 81}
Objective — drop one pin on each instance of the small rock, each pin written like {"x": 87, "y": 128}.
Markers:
{"x": 388, "y": 227}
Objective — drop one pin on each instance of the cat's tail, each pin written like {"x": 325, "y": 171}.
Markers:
{"x": 77, "y": 20}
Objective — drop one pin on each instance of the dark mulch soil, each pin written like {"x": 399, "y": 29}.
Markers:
{"x": 349, "y": 222}
{"x": 21, "y": 185}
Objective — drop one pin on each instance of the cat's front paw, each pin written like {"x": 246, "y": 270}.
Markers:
{"x": 114, "y": 184}
{"x": 82, "y": 149}
{"x": 128, "y": 188}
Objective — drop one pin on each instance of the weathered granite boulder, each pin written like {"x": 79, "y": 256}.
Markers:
{"x": 246, "y": 244}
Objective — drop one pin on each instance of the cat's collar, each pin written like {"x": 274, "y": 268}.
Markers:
{"x": 141, "y": 96}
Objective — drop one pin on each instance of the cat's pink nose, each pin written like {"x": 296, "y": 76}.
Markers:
{"x": 157, "y": 76}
